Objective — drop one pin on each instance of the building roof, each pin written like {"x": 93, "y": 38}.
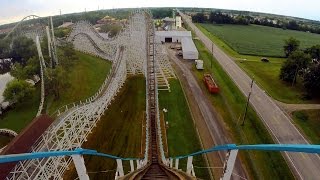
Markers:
{"x": 168, "y": 19}
{"x": 188, "y": 45}
{"x": 65, "y": 25}
{"x": 174, "y": 33}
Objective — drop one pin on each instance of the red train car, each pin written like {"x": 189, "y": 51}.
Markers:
{"x": 211, "y": 85}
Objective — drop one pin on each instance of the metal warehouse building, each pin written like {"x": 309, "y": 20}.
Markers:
{"x": 189, "y": 49}
{"x": 171, "y": 36}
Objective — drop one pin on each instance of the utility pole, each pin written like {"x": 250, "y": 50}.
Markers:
{"x": 245, "y": 111}
{"x": 212, "y": 55}
{"x": 295, "y": 77}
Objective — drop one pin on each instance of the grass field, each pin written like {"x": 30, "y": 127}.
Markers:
{"x": 181, "y": 133}
{"x": 230, "y": 104}
{"x": 4, "y": 140}
{"x": 85, "y": 78}
{"x": 259, "y": 40}
{"x": 265, "y": 74}
{"x": 118, "y": 132}
{"x": 267, "y": 77}
{"x": 309, "y": 122}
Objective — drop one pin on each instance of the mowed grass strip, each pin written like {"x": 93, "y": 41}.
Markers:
{"x": 259, "y": 40}
{"x": 309, "y": 122}
{"x": 266, "y": 75}
{"x": 85, "y": 78}
{"x": 230, "y": 103}
{"x": 181, "y": 133}
{"x": 118, "y": 132}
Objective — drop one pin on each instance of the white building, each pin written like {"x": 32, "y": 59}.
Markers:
{"x": 171, "y": 36}
{"x": 178, "y": 22}
{"x": 189, "y": 50}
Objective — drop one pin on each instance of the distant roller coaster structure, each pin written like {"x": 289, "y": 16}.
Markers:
{"x": 27, "y": 18}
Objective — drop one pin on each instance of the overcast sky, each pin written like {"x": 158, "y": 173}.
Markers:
{"x": 14, "y": 10}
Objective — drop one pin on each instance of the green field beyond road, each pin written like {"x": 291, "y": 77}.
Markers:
{"x": 259, "y": 40}
{"x": 309, "y": 122}
{"x": 266, "y": 75}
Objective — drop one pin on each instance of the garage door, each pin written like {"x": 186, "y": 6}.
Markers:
{"x": 168, "y": 39}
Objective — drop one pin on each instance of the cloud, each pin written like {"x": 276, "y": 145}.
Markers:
{"x": 13, "y": 10}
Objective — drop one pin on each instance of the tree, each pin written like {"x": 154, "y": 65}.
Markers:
{"x": 290, "y": 45}
{"x": 311, "y": 80}
{"x": 296, "y": 62}
{"x": 112, "y": 29}
{"x": 17, "y": 91}
{"x": 56, "y": 79}
{"x": 219, "y": 18}
{"x": 314, "y": 52}
{"x": 17, "y": 71}
{"x": 67, "y": 56}
{"x": 4, "y": 48}
{"x": 32, "y": 68}
{"x": 199, "y": 18}
{"x": 22, "y": 49}
{"x": 293, "y": 25}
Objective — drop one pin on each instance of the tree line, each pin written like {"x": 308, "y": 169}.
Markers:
{"x": 220, "y": 18}
{"x": 224, "y": 18}
{"x": 302, "y": 64}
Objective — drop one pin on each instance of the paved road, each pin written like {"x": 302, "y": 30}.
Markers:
{"x": 216, "y": 130}
{"x": 304, "y": 166}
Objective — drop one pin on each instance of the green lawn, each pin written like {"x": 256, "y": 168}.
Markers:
{"x": 21, "y": 114}
{"x": 85, "y": 78}
{"x": 230, "y": 104}
{"x": 259, "y": 40}
{"x": 4, "y": 140}
{"x": 265, "y": 74}
{"x": 267, "y": 77}
{"x": 309, "y": 122}
{"x": 181, "y": 133}
{"x": 118, "y": 132}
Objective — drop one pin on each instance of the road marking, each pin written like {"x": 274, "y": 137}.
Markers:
{"x": 276, "y": 119}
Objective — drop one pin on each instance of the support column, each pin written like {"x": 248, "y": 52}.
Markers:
{"x": 177, "y": 164}
{"x": 171, "y": 162}
{"x": 189, "y": 165}
{"x": 131, "y": 166}
{"x": 80, "y": 167}
{"x": 138, "y": 164}
{"x": 120, "y": 168}
{"x": 227, "y": 170}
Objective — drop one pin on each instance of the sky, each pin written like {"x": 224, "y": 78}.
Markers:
{"x": 15, "y": 10}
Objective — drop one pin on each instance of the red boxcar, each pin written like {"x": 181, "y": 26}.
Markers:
{"x": 211, "y": 85}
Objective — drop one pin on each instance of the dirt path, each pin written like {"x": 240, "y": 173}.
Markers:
{"x": 207, "y": 121}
